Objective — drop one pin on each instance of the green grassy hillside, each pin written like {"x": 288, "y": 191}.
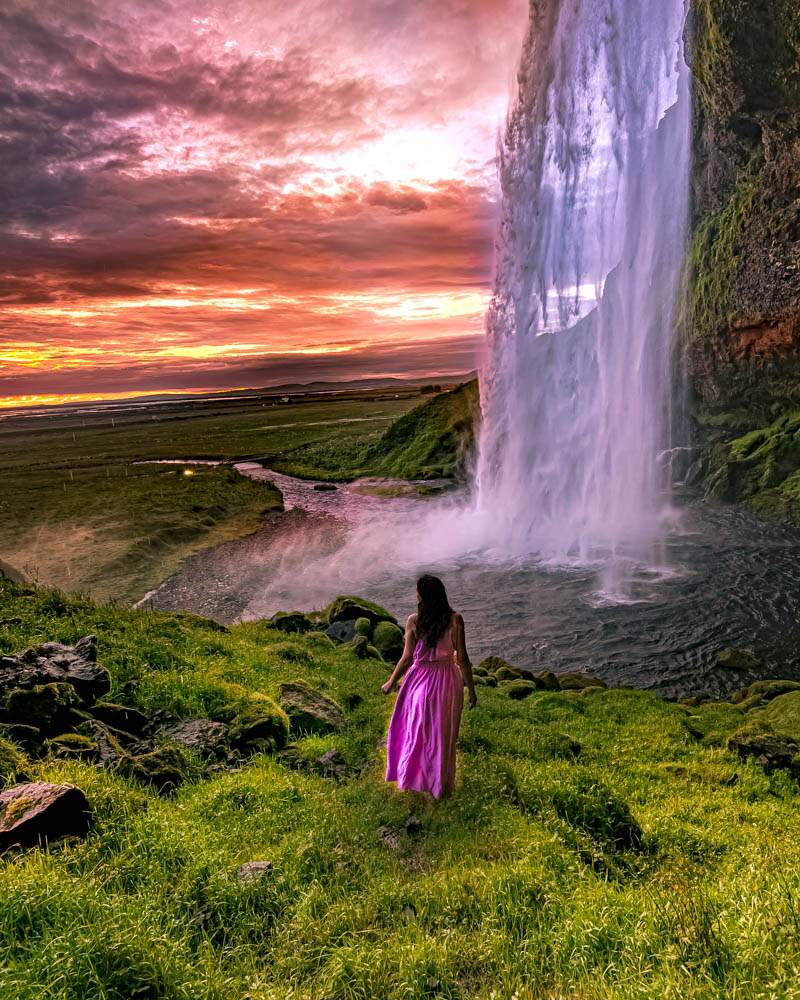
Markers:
{"x": 601, "y": 845}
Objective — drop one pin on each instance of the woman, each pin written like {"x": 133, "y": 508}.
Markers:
{"x": 421, "y": 746}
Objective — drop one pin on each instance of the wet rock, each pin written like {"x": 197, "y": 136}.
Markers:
{"x": 202, "y": 736}
{"x": 45, "y": 706}
{"x": 769, "y": 750}
{"x": 345, "y": 608}
{"x": 343, "y": 631}
{"x": 738, "y": 659}
{"x": 107, "y": 742}
{"x": 291, "y": 622}
{"x": 308, "y": 710}
{"x": 129, "y": 720}
{"x": 577, "y": 681}
{"x": 547, "y": 680}
{"x": 388, "y": 639}
{"x": 40, "y": 812}
{"x": 325, "y": 487}
{"x": 517, "y": 689}
{"x": 253, "y": 871}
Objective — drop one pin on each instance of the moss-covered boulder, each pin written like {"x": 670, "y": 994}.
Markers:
{"x": 517, "y": 690}
{"x": 73, "y": 746}
{"x": 388, "y": 639}
{"x": 577, "y": 681}
{"x": 164, "y": 768}
{"x": 738, "y": 659}
{"x": 46, "y": 706}
{"x": 13, "y": 764}
{"x": 506, "y": 673}
{"x": 364, "y": 649}
{"x": 205, "y": 737}
{"x": 39, "y": 812}
{"x": 782, "y": 714}
{"x": 363, "y": 626}
{"x": 308, "y": 710}
{"x": 129, "y": 720}
{"x": 491, "y": 664}
{"x": 291, "y": 621}
{"x": 261, "y": 725}
{"x": 768, "y": 749}
{"x": 346, "y": 608}
{"x": 547, "y": 680}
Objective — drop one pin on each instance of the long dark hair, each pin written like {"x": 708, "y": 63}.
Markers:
{"x": 434, "y": 613}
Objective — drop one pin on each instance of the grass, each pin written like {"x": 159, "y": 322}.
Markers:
{"x": 531, "y": 883}
{"x": 77, "y": 512}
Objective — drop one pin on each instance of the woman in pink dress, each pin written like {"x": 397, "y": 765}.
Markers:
{"x": 421, "y": 745}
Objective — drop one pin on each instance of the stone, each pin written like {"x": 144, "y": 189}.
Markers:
{"x": 738, "y": 659}
{"x": 291, "y": 622}
{"x": 308, "y": 710}
{"x": 364, "y": 649}
{"x": 73, "y": 746}
{"x": 260, "y": 726}
{"x": 130, "y": 720}
{"x": 162, "y": 768}
{"x": 413, "y": 826}
{"x": 507, "y": 674}
{"x": 333, "y": 765}
{"x": 109, "y": 748}
{"x": 491, "y": 664}
{"x": 389, "y": 640}
{"x": 28, "y": 737}
{"x": 202, "y": 736}
{"x": 517, "y": 689}
{"x": 390, "y": 837}
{"x": 576, "y": 681}
{"x": 344, "y": 608}
{"x": 325, "y": 487}
{"x": 45, "y": 706}
{"x": 53, "y": 663}
{"x": 769, "y": 750}
{"x": 39, "y": 812}
{"x": 253, "y": 871}
{"x": 342, "y": 631}
{"x": 363, "y": 626}
{"x": 547, "y": 680}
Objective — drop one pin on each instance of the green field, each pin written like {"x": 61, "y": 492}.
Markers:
{"x": 602, "y": 846}
{"x": 78, "y": 513}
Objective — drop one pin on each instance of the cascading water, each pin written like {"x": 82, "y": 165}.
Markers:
{"x": 578, "y": 389}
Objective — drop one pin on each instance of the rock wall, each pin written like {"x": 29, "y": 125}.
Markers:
{"x": 744, "y": 347}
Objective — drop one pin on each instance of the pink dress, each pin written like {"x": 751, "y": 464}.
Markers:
{"x": 421, "y": 745}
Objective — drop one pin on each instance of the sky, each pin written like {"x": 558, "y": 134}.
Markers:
{"x": 197, "y": 196}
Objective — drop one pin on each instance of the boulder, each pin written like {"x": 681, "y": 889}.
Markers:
{"x": 202, "y": 736}
{"x": 48, "y": 707}
{"x": 333, "y": 765}
{"x": 345, "y": 608}
{"x": 325, "y": 487}
{"x": 505, "y": 674}
{"x": 129, "y": 720}
{"x": 308, "y": 710}
{"x": 547, "y": 680}
{"x": 363, "y": 626}
{"x": 291, "y": 621}
{"x": 73, "y": 746}
{"x": 491, "y": 664}
{"x": 770, "y": 750}
{"x": 163, "y": 768}
{"x": 388, "y": 639}
{"x": 12, "y": 573}
{"x": 28, "y": 737}
{"x": 738, "y": 659}
{"x": 364, "y": 649}
{"x": 39, "y": 812}
{"x": 106, "y": 741}
{"x": 576, "y": 681}
{"x": 342, "y": 631}
{"x": 53, "y": 663}
{"x": 782, "y": 714}
{"x": 517, "y": 689}
{"x": 259, "y": 726}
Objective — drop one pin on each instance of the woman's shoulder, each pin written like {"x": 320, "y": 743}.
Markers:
{"x": 457, "y": 619}
{"x": 411, "y": 621}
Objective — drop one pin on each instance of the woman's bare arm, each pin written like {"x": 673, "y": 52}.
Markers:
{"x": 464, "y": 663}
{"x": 407, "y": 656}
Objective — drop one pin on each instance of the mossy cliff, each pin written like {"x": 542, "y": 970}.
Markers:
{"x": 744, "y": 344}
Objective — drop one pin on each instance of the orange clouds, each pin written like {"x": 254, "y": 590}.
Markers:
{"x": 196, "y": 199}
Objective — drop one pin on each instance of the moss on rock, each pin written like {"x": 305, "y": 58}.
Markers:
{"x": 14, "y": 764}
{"x": 388, "y": 639}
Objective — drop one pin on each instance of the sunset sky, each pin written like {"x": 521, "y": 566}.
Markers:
{"x": 200, "y": 196}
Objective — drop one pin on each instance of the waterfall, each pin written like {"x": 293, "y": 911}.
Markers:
{"x": 578, "y": 390}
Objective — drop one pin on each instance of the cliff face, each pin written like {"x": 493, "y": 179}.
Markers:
{"x": 743, "y": 349}
{"x": 745, "y": 310}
